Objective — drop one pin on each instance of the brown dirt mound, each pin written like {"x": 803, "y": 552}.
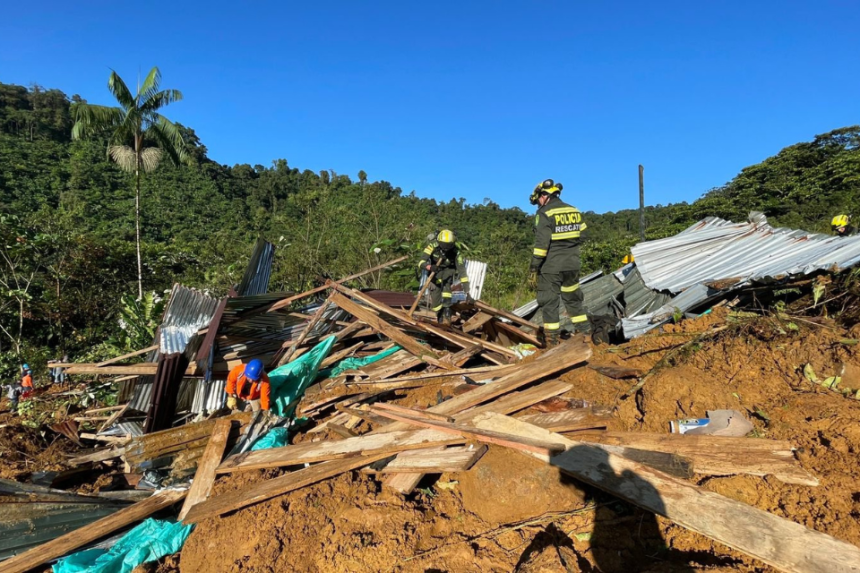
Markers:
{"x": 25, "y": 450}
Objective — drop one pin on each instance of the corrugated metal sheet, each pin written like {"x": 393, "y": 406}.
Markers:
{"x": 209, "y": 396}
{"x": 259, "y": 270}
{"x": 124, "y": 429}
{"x": 638, "y": 298}
{"x": 477, "y": 273}
{"x": 188, "y": 311}
{"x": 530, "y": 307}
{"x": 716, "y": 250}
{"x": 690, "y": 298}
{"x": 32, "y": 515}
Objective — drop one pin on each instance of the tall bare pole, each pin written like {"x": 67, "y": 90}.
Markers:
{"x": 641, "y": 203}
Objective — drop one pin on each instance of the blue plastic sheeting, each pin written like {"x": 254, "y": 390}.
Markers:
{"x": 354, "y": 362}
{"x": 274, "y": 438}
{"x": 149, "y": 541}
{"x": 290, "y": 380}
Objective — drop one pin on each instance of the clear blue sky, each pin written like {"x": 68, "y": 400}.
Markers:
{"x": 472, "y": 99}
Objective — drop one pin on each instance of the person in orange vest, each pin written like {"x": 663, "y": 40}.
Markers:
{"x": 248, "y": 387}
{"x": 26, "y": 381}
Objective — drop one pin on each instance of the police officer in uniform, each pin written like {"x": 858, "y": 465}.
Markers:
{"x": 443, "y": 257}
{"x": 555, "y": 265}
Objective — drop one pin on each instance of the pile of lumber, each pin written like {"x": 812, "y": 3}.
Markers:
{"x": 487, "y": 397}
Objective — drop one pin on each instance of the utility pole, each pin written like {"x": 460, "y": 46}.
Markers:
{"x": 641, "y": 203}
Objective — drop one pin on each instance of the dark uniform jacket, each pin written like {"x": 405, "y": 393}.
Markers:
{"x": 449, "y": 263}
{"x": 557, "y": 238}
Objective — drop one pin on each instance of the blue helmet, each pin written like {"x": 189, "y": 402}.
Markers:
{"x": 25, "y": 367}
{"x": 254, "y": 369}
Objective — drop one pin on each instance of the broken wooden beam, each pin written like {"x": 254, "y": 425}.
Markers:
{"x": 776, "y": 541}
{"x": 204, "y": 478}
{"x": 488, "y": 436}
{"x": 129, "y": 355}
{"x": 435, "y": 460}
{"x": 261, "y": 491}
{"x": 389, "y": 443}
{"x": 374, "y": 321}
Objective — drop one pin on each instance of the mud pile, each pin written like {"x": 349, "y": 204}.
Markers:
{"x": 512, "y": 513}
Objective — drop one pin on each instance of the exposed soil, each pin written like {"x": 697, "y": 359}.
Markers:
{"x": 510, "y": 513}
{"x": 24, "y": 450}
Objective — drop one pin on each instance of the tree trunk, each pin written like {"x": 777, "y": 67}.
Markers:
{"x": 137, "y": 232}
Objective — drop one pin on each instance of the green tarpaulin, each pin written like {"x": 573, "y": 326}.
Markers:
{"x": 149, "y": 541}
{"x": 354, "y": 362}
{"x": 290, "y": 380}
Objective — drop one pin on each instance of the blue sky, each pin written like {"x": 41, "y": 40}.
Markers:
{"x": 472, "y": 99}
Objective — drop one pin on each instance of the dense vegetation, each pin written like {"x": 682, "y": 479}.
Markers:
{"x": 68, "y": 242}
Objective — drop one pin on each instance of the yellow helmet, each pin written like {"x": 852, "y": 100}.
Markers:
{"x": 546, "y": 186}
{"x": 446, "y": 238}
{"x": 839, "y": 221}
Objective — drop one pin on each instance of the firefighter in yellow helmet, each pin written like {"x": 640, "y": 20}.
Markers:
{"x": 555, "y": 265}
{"x": 443, "y": 258}
{"x": 841, "y": 225}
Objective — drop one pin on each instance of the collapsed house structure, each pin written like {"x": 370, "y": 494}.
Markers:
{"x": 341, "y": 357}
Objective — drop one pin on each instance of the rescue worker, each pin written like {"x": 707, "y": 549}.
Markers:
{"x": 555, "y": 265}
{"x": 442, "y": 257}
{"x": 628, "y": 258}
{"x": 248, "y": 387}
{"x": 841, "y": 225}
{"x": 14, "y": 392}
{"x": 26, "y": 381}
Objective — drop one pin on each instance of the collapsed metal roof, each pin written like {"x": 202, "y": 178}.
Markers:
{"x": 734, "y": 254}
{"x": 188, "y": 310}
{"x": 259, "y": 270}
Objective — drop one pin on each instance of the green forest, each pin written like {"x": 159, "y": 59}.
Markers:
{"x": 67, "y": 233}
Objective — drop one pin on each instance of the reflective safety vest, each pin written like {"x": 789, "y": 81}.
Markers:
{"x": 558, "y": 227}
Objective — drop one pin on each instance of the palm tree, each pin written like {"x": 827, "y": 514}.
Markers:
{"x": 138, "y": 135}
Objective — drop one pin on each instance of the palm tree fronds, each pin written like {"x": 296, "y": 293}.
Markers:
{"x": 120, "y": 91}
{"x": 170, "y": 139}
{"x": 92, "y": 120}
{"x": 150, "y": 157}
{"x": 160, "y": 99}
{"x": 123, "y": 156}
{"x": 150, "y": 84}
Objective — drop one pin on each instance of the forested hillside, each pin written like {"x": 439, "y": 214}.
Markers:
{"x": 67, "y": 223}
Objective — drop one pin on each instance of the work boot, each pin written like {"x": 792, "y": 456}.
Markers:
{"x": 552, "y": 339}
{"x": 446, "y": 316}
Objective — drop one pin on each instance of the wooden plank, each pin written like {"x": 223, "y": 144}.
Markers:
{"x": 459, "y": 358}
{"x": 505, "y": 314}
{"x": 290, "y": 300}
{"x": 129, "y": 355}
{"x": 98, "y": 456}
{"x": 490, "y": 437}
{"x": 716, "y": 455}
{"x": 268, "y": 489}
{"x": 73, "y": 540}
{"x": 122, "y": 440}
{"x": 461, "y": 340}
{"x": 107, "y": 409}
{"x": 413, "y": 412}
{"x": 516, "y": 401}
{"x": 374, "y": 321}
{"x": 388, "y": 443}
{"x": 477, "y": 321}
{"x": 435, "y": 461}
{"x": 512, "y": 330}
{"x": 143, "y": 369}
{"x": 204, "y": 478}
{"x": 497, "y": 370}
{"x": 550, "y": 362}
{"x": 340, "y": 355}
{"x": 317, "y": 317}
{"x": 114, "y": 417}
{"x": 569, "y": 420}
{"x": 776, "y": 541}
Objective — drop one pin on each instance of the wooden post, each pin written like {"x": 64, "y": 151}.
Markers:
{"x": 421, "y": 293}
{"x": 641, "y": 203}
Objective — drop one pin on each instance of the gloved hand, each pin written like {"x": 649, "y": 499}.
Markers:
{"x": 533, "y": 278}
{"x": 431, "y": 268}
{"x": 232, "y": 402}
